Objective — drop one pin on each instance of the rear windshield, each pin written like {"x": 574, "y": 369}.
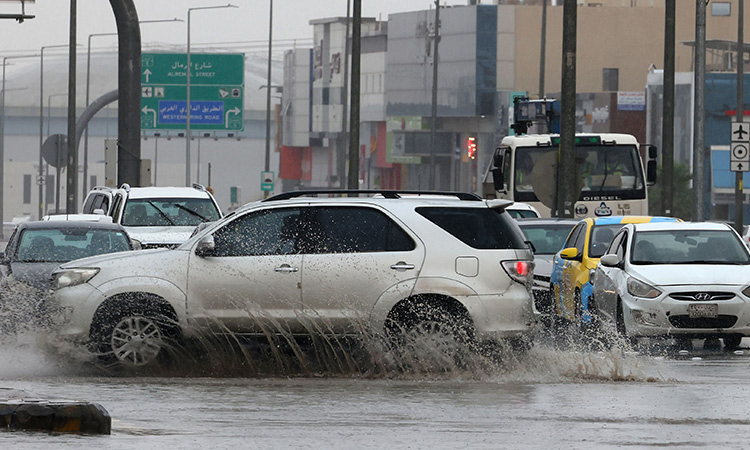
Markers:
{"x": 481, "y": 228}
{"x": 548, "y": 239}
{"x": 67, "y": 244}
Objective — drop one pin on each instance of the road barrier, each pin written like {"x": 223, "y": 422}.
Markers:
{"x": 59, "y": 416}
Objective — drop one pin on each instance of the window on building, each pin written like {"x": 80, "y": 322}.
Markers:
{"x": 610, "y": 79}
{"x": 721, "y": 9}
{"x": 26, "y": 189}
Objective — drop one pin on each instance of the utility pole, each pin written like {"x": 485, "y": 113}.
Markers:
{"x": 699, "y": 135}
{"x": 342, "y": 142}
{"x": 739, "y": 192}
{"x": 71, "y": 203}
{"x": 667, "y": 130}
{"x": 566, "y": 167}
{"x": 353, "y": 180}
{"x": 433, "y": 123}
{"x": 543, "y": 49}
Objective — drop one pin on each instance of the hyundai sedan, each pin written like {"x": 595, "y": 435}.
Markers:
{"x": 677, "y": 280}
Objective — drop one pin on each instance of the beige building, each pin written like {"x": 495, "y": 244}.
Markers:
{"x": 618, "y": 41}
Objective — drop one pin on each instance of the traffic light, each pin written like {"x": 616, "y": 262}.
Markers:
{"x": 471, "y": 148}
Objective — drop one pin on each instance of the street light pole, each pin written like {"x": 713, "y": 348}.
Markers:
{"x": 2, "y": 144}
{"x": 187, "y": 85}
{"x": 40, "y": 175}
{"x": 88, "y": 83}
{"x": 267, "y": 164}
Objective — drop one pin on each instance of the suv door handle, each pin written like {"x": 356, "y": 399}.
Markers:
{"x": 402, "y": 266}
{"x": 286, "y": 268}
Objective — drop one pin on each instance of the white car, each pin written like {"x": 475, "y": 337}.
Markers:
{"x": 522, "y": 211}
{"x": 676, "y": 279}
{"x": 297, "y": 265}
{"x": 155, "y": 216}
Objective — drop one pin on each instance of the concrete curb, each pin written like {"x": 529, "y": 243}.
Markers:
{"x": 60, "y": 416}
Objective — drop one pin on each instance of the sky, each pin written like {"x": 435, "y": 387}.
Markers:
{"x": 248, "y": 22}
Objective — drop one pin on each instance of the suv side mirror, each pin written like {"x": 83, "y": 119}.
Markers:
{"x": 136, "y": 244}
{"x": 205, "y": 246}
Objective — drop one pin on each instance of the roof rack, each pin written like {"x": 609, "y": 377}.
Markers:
{"x": 386, "y": 193}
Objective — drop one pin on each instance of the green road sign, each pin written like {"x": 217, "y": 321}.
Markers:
{"x": 216, "y": 91}
{"x": 266, "y": 181}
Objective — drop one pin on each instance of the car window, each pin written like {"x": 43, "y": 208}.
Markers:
{"x": 169, "y": 212}
{"x": 267, "y": 232}
{"x": 338, "y": 229}
{"x": 688, "y": 247}
{"x": 481, "y": 228}
{"x": 116, "y": 206}
{"x": 521, "y": 213}
{"x": 548, "y": 239}
{"x": 88, "y": 205}
{"x": 67, "y": 244}
{"x": 570, "y": 242}
{"x": 581, "y": 239}
{"x": 601, "y": 237}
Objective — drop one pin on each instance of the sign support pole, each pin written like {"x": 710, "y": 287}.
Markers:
{"x": 738, "y": 188}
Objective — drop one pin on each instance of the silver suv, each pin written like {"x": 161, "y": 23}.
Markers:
{"x": 382, "y": 262}
{"x": 155, "y": 216}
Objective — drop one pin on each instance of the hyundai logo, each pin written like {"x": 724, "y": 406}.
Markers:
{"x": 702, "y": 296}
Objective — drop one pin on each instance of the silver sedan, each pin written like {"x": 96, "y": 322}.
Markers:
{"x": 676, "y": 279}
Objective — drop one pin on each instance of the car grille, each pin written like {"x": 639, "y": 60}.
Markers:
{"x": 702, "y": 296}
{"x": 703, "y": 322}
{"x": 541, "y": 278}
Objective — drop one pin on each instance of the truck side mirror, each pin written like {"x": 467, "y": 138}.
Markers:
{"x": 651, "y": 157}
{"x": 498, "y": 180}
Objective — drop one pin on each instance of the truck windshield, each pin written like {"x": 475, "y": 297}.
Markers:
{"x": 612, "y": 171}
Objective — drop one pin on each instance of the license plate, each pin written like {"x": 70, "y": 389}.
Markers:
{"x": 703, "y": 310}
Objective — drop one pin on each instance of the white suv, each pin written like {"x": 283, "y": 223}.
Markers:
{"x": 297, "y": 265}
{"x": 155, "y": 216}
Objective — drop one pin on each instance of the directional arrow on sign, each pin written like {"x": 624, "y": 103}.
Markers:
{"x": 147, "y": 110}
{"x": 147, "y": 73}
{"x": 234, "y": 111}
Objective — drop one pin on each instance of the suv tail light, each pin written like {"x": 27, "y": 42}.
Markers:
{"x": 521, "y": 271}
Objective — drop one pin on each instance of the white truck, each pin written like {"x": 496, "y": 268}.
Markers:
{"x": 611, "y": 182}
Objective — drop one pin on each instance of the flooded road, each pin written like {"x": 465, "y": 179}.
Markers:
{"x": 549, "y": 398}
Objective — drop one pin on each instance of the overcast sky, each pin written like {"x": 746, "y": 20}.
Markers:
{"x": 249, "y": 22}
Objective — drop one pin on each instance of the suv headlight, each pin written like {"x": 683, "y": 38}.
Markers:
{"x": 74, "y": 277}
{"x": 638, "y": 288}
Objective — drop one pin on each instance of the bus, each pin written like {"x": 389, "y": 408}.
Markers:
{"x": 611, "y": 176}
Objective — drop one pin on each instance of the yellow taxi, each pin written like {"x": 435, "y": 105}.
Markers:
{"x": 586, "y": 244}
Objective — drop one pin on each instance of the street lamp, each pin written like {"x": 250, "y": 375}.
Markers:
{"x": 187, "y": 85}
{"x": 88, "y": 75}
{"x": 40, "y": 176}
{"x": 2, "y": 143}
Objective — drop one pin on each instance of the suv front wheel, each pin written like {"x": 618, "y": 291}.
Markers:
{"x": 134, "y": 335}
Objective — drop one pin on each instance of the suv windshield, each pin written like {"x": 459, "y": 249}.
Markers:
{"x": 169, "y": 212}
{"x": 480, "y": 228}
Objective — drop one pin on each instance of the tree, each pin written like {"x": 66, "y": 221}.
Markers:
{"x": 683, "y": 194}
